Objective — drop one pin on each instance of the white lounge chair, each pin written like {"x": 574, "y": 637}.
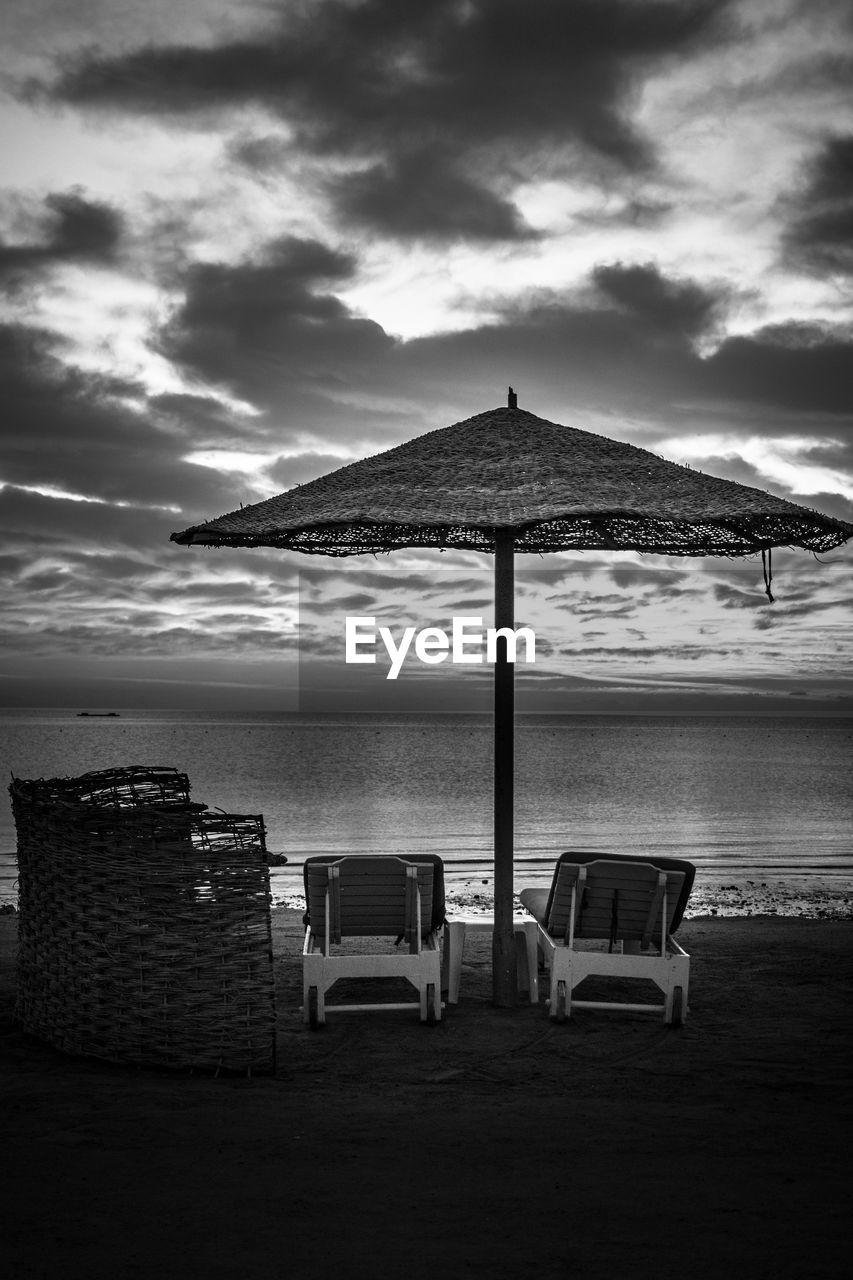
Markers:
{"x": 378, "y": 897}
{"x": 634, "y": 905}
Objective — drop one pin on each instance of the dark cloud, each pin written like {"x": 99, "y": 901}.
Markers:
{"x": 75, "y": 230}
{"x": 48, "y": 581}
{"x": 360, "y": 603}
{"x": 272, "y": 325}
{"x": 832, "y": 170}
{"x": 35, "y": 526}
{"x": 202, "y": 421}
{"x": 801, "y": 578}
{"x": 561, "y": 350}
{"x": 770, "y": 619}
{"x": 796, "y": 366}
{"x": 252, "y": 295}
{"x": 661, "y": 584}
{"x": 819, "y": 236}
{"x": 463, "y": 80}
{"x": 677, "y": 307}
{"x": 640, "y": 213}
{"x": 600, "y": 606}
{"x": 320, "y": 578}
{"x": 732, "y": 596}
{"x": 261, "y": 153}
{"x": 420, "y": 195}
{"x": 647, "y": 653}
{"x": 291, "y": 471}
{"x": 579, "y": 354}
{"x": 249, "y": 593}
{"x": 77, "y": 432}
{"x": 626, "y": 343}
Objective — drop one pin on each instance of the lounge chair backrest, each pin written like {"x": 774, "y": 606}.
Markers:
{"x": 432, "y": 917}
{"x": 614, "y": 899}
{"x": 370, "y": 897}
{"x": 676, "y": 902}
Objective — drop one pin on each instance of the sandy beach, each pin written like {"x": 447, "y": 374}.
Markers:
{"x": 496, "y": 1143}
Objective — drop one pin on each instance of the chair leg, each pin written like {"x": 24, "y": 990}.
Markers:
{"x": 560, "y": 993}
{"x": 454, "y": 945}
{"x": 527, "y": 960}
{"x": 522, "y": 964}
{"x": 675, "y": 1007}
{"x": 429, "y": 994}
{"x": 313, "y": 988}
{"x": 532, "y": 947}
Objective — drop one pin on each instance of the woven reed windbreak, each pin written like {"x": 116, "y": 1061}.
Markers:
{"x": 144, "y": 923}
{"x": 558, "y": 488}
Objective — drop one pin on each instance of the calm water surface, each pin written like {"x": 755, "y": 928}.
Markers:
{"x": 769, "y": 797}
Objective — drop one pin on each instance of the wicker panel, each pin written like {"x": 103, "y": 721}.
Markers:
{"x": 144, "y": 932}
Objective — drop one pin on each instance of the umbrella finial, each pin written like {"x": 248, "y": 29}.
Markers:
{"x": 512, "y": 399}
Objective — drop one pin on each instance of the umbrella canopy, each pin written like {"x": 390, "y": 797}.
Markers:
{"x": 557, "y": 488}
{"x": 504, "y": 481}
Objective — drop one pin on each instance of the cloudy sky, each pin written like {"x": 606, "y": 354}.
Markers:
{"x": 241, "y": 245}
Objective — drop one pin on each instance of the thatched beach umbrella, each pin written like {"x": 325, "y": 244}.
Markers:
{"x": 505, "y": 481}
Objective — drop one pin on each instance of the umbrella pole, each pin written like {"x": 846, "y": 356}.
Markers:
{"x": 503, "y": 944}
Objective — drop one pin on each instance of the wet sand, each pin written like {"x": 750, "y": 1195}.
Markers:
{"x": 495, "y": 1144}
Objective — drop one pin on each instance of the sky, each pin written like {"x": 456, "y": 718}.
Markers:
{"x": 243, "y": 245}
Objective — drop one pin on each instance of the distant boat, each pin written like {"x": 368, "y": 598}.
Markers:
{"x": 100, "y": 715}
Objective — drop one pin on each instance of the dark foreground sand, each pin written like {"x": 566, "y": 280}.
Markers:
{"x": 496, "y": 1144}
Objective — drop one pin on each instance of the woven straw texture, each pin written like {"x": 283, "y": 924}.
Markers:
{"x": 144, "y": 923}
{"x": 557, "y": 487}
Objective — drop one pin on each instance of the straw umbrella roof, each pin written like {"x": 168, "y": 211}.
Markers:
{"x": 557, "y": 488}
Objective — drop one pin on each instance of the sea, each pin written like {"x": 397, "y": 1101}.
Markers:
{"x": 758, "y": 804}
